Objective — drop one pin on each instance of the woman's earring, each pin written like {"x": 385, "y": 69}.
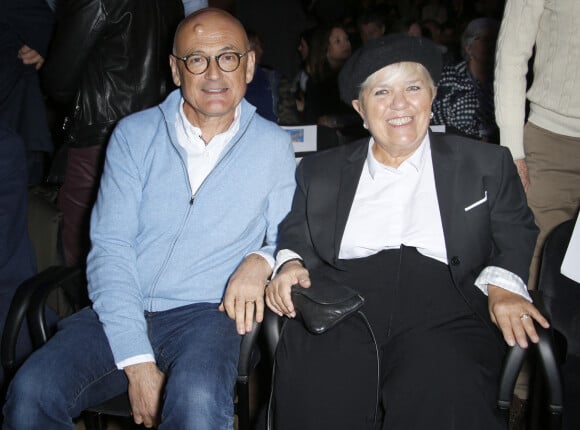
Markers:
{"x": 431, "y": 115}
{"x": 365, "y": 125}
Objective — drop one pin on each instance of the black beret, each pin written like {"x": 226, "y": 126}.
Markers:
{"x": 378, "y": 53}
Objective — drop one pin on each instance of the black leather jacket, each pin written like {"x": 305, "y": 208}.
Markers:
{"x": 109, "y": 58}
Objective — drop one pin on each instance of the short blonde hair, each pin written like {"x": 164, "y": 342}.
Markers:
{"x": 398, "y": 71}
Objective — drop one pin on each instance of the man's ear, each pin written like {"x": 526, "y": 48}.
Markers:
{"x": 251, "y": 66}
{"x": 174, "y": 71}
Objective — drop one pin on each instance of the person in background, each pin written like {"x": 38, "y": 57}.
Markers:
{"x": 26, "y": 28}
{"x": 17, "y": 260}
{"x": 183, "y": 234}
{"x": 546, "y": 145}
{"x": 410, "y": 27}
{"x": 301, "y": 78}
{"x": 190, "y": 6}
{"x": 410, "y": 10}
{"x": 262, "y": 92}
{"x": 108, "y": 58}
{"x": 433, "y": 30}
{"x": 279, "y": 24}
{"x": 291, "y": 91}
{"x": 464, "y": 102}
{"x": 329, "y": 51}
{"x": 435, "y": 10}
{"x": 371, "y": 26}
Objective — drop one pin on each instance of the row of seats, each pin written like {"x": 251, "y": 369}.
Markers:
{"x": 557, "y": 356}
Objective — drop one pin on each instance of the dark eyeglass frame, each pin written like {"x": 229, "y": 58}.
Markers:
{"x": 216, "y": 59}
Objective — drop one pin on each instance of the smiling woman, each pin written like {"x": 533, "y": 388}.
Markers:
{"x": 395, "y": 105}
{"x": 433, "y": 231}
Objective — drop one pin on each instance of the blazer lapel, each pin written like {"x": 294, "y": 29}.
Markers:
{"x": 445, "y": 165}
{"x": 349, "y": 180}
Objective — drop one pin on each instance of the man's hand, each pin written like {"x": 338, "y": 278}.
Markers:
{"x": 514, "y": 316}
{"x": 245, "y": 293}
{"x": 30, "y": 56}
{"x": 146, "y": 384}
{"x": 522, "y": 167}
{"x": 278, "y": 291}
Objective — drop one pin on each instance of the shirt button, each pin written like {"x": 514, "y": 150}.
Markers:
{"x": 455, "y": 261}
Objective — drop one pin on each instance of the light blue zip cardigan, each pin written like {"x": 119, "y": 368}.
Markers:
{"x": 157, "y": 247}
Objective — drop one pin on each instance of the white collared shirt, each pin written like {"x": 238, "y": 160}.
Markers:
{"x": 394, "y": 207}
{"x": 202, "y": 157}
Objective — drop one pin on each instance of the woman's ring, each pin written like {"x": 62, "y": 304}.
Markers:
{"x": 524, "y": 316}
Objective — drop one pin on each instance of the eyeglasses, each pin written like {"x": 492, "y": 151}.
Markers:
{"x": 197, "y": 64}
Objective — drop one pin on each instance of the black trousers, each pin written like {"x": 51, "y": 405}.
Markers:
{"x": 428, "y": 363}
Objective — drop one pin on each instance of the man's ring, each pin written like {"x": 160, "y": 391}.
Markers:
{"x": 524, "y": 316}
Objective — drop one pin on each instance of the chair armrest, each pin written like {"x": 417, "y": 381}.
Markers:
{"x": 513, "y": 362}
{"x": 72, "y": 281}
{"x": 249, "y": 354}
{"x": 272, "y": 327}
{"x": 18, "y": 310}
{"x": 551, "y": 370}
{"x": 546, "y": 351}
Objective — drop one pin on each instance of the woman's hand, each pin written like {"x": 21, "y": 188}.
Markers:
{"x": 278, "y": 290}
{"x": 514, "y": 316}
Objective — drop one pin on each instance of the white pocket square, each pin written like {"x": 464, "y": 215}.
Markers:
{"x": 477, "y": 203}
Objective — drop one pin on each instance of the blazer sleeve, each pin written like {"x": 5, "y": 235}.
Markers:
{"x": 512, "y": 224}
{"x": 294, "y": 231}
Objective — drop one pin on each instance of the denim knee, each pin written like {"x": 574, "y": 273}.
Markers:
{"x": 32, "y": 402}
{"x": 201, "y": 403}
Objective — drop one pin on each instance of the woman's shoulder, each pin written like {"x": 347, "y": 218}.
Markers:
{"x": 469, "y": 147}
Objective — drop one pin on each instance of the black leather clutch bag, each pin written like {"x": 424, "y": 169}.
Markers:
{"x": 324, "y": 305}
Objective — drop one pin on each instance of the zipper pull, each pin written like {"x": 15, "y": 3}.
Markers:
{"x": 191, "y": 200}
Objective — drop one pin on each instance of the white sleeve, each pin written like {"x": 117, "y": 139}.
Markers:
{"x": 283, "y": 256}
{"x": 502, "y": 278}
{"x": 515, "y": 43}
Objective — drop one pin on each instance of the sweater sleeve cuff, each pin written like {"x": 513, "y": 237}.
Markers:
{"x": 137, "y": 359}
{"x": 513, "y": 138}
{"x": 269, "y": 259}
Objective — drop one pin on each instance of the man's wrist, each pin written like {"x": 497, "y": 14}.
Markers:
{"x": 259, "y": 262}
{"x": 135, "y": 369}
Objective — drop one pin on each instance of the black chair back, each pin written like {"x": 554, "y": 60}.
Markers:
{"x": 561, "y": 297}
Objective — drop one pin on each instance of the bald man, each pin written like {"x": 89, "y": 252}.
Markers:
{"x": 182, "y": 233}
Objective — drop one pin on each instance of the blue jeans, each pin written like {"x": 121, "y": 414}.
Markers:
{"x": 196, "y": 346}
